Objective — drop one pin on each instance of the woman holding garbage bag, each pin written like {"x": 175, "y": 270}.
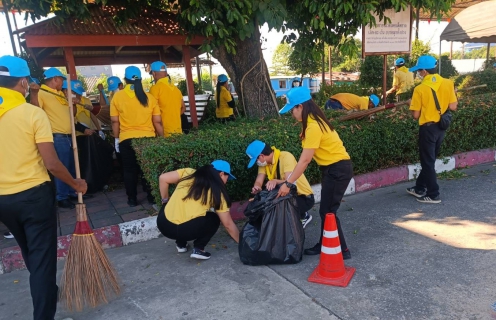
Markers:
{"x": 197, "y": 206}
{"x": 322, "y": 143}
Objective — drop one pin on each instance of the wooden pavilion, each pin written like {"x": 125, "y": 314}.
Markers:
{"x": 99, "y": 40}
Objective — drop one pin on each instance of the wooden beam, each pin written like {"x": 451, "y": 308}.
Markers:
{"x": 190, "y": 86}
{"x": 37, "y": 41}
{"x": 118, "y": 49}
{"x": 59, "y": 61}
{"x": 69, "y": 63}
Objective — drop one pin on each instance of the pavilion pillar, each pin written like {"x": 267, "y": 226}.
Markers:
{"x": 190, "y": 85}
{"x": 70, "y": 65}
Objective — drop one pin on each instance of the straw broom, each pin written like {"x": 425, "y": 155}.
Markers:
{"x": 364, "y": 113}
{"x": 88, "y": 278}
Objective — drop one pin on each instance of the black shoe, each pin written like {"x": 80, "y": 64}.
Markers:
{"x": 346, "y": 254}
{"x": 200, "y": 254}
{"x": 132, "y": 202}
{"x": 8, "y": 235}
{"x": 427, "y": 199}
{"x": 313, "y": 250}
{"x": 66, "y": 204}
{"x": 415, "y": 193}
{"x": 85, "y": 196}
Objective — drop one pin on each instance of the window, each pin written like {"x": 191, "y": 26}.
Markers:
{"x": 282, "y": 84}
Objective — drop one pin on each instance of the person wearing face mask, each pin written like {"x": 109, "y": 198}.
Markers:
{"x": 277, "y": 166}
{"x": 197, "y": 207}
{"x": 53, "y": 101}
{"x": 321, "y": 142}
{"x": 423, "y": 107}
{"x": 403, "y": 80}
{"x": 27, "y": 206}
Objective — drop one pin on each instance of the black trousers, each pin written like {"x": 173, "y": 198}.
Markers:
{"x": 430, "y": 139}
{"x": 335, "y": 179}
{"x": 30, "y": 216}
{"x": 305, "y": 203}
{"x": 131, "y": 169}
{"x": 200, "y": 229}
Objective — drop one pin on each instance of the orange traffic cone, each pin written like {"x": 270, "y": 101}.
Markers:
{"x": 331, "y": 269}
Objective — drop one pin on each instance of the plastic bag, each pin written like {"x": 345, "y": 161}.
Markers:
{"x": 95, "y": 161}
{"x": 274, "y": 234}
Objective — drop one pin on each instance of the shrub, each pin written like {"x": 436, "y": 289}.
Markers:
{"x": 389, "y": 139}
{"x": 476, "y": 78}
{"x": 184, "y": 89}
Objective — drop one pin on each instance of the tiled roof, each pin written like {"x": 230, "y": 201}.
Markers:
{"x": 101, "y": 22}
{"x": 91, "y": 83}
{"x": 458, "y": 7}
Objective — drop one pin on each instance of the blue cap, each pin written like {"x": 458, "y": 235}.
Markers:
{"x": 375, "y": 100}
{"x": 222, "y": 78}
{"x": 53, "y": 72}
{"x": 77, "y": 87}
{"x": 224, "y": 166}
{"x": 16, "y": 67}
{"x": 294, "y": 97}
{"x": 113, "y": 83}
{"x": 253, "y": 151}
{"x": 158, "y": 66}
{"x": 399, "y": 62}
{"x": 132, "y": 72}
{"x": 64, "y": 85}
{"x": 424, "y": 63}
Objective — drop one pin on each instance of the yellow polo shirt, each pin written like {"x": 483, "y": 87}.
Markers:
{"x": 170, "y": 101}
{"x": 223, "y": 111}
{"x": 56, "y": 108}
{"x": 423, "y": 99}
{"x": 179, "y": 211}
{"x": 21, "y": 128}
{"x": 328, "y": 146}
{"x": 351, "y": 101}
{"x": 135, "y": 120}
{"x": 287, "y": 163}
{"x": 403, "y": 79}
{"x": 83, "y": 115}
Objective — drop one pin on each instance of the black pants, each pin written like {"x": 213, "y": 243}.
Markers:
{"x": 430, "y": 139}
{"x": 131, "y": 169}
{"x": 200, "y": 229}
{"x": 335, "y": 179}
{"x": 30, "y": 216}
{"x": 305, "y": 203}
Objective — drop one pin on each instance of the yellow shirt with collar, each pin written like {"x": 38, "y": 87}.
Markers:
{"x": 403, "y": 79}
{"x": 179, "y": 211}
{"x": 224, "y": 111}
{"x": 135, "y": 120}
{"x": 351, "y": 101}
{"x": 423, "y": 99}
{"x": 21, "y": 128}
{"x": 83, "y": 115}
{"x": 56, "y": 108}
{"x": 287, "y": 163}
{"x": 328, "y": 146}
{"x": 170, "y": 102}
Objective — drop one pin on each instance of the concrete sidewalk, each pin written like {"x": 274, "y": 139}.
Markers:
{"x": 413, "y": 260}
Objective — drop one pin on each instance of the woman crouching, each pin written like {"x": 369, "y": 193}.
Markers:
{"x": 197, "y": 206}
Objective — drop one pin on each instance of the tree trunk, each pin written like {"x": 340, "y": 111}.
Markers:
{"x": 250, "y": 76}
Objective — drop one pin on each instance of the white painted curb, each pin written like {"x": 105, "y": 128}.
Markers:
{"x": 441, "y": 165}
{"x": 317, "y": 190}
{"x": 1, "y": 266}
{"x": 139, "y": 230}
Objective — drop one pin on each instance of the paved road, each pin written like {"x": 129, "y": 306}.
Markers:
{"x": 413, "y": 261}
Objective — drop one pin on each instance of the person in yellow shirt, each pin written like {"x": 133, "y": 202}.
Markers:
{"x": 170, "y": 99}
{"x": 424, "y": 109}
{"x": 350, "y": 101}
{"x": 321, "y": 142}
{"x": 224, "y": 100}
{"x": 277, "y": 166}
{"x": 27, "y": 206}
{"x": 403, "y": 80}
{"x": 53, "y": 101}
{"x": 134, "y": 114}
{"x": 197, "y": 207}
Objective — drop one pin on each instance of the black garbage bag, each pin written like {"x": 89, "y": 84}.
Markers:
{"x": 273, "y": 234}
{"x": 95, "y": 161}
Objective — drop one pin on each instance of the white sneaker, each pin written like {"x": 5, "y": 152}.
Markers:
{"x": 306, "y": 220}
{"x": 182, "y": 249}
{"x": 8, "y": 235}
{"x": 200, "y": 254}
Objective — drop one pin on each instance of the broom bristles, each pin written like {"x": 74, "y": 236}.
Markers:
{"x": 88, "y": 278}
{"x": 104, "y": 115}
{"x": 360, "y": 114}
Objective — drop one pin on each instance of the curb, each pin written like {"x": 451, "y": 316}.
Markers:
{"x": 145, "y": 229}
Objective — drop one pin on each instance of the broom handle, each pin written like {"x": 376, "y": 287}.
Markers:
{"x": 58, "y": 95}
{"x": 397, "y": 104}
{"x": 105, "y": 97}
{"x": 73, "y": 134}
{"x": 472, "y": 88}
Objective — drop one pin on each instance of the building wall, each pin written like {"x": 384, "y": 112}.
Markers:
{"x": 95, "y": 71}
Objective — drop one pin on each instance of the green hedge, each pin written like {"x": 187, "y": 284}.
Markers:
{"x": 476, "y": 78}
{"x": 389, "y": 139}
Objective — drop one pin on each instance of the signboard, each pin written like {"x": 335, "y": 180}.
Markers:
{"x": 391, "y": 38}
